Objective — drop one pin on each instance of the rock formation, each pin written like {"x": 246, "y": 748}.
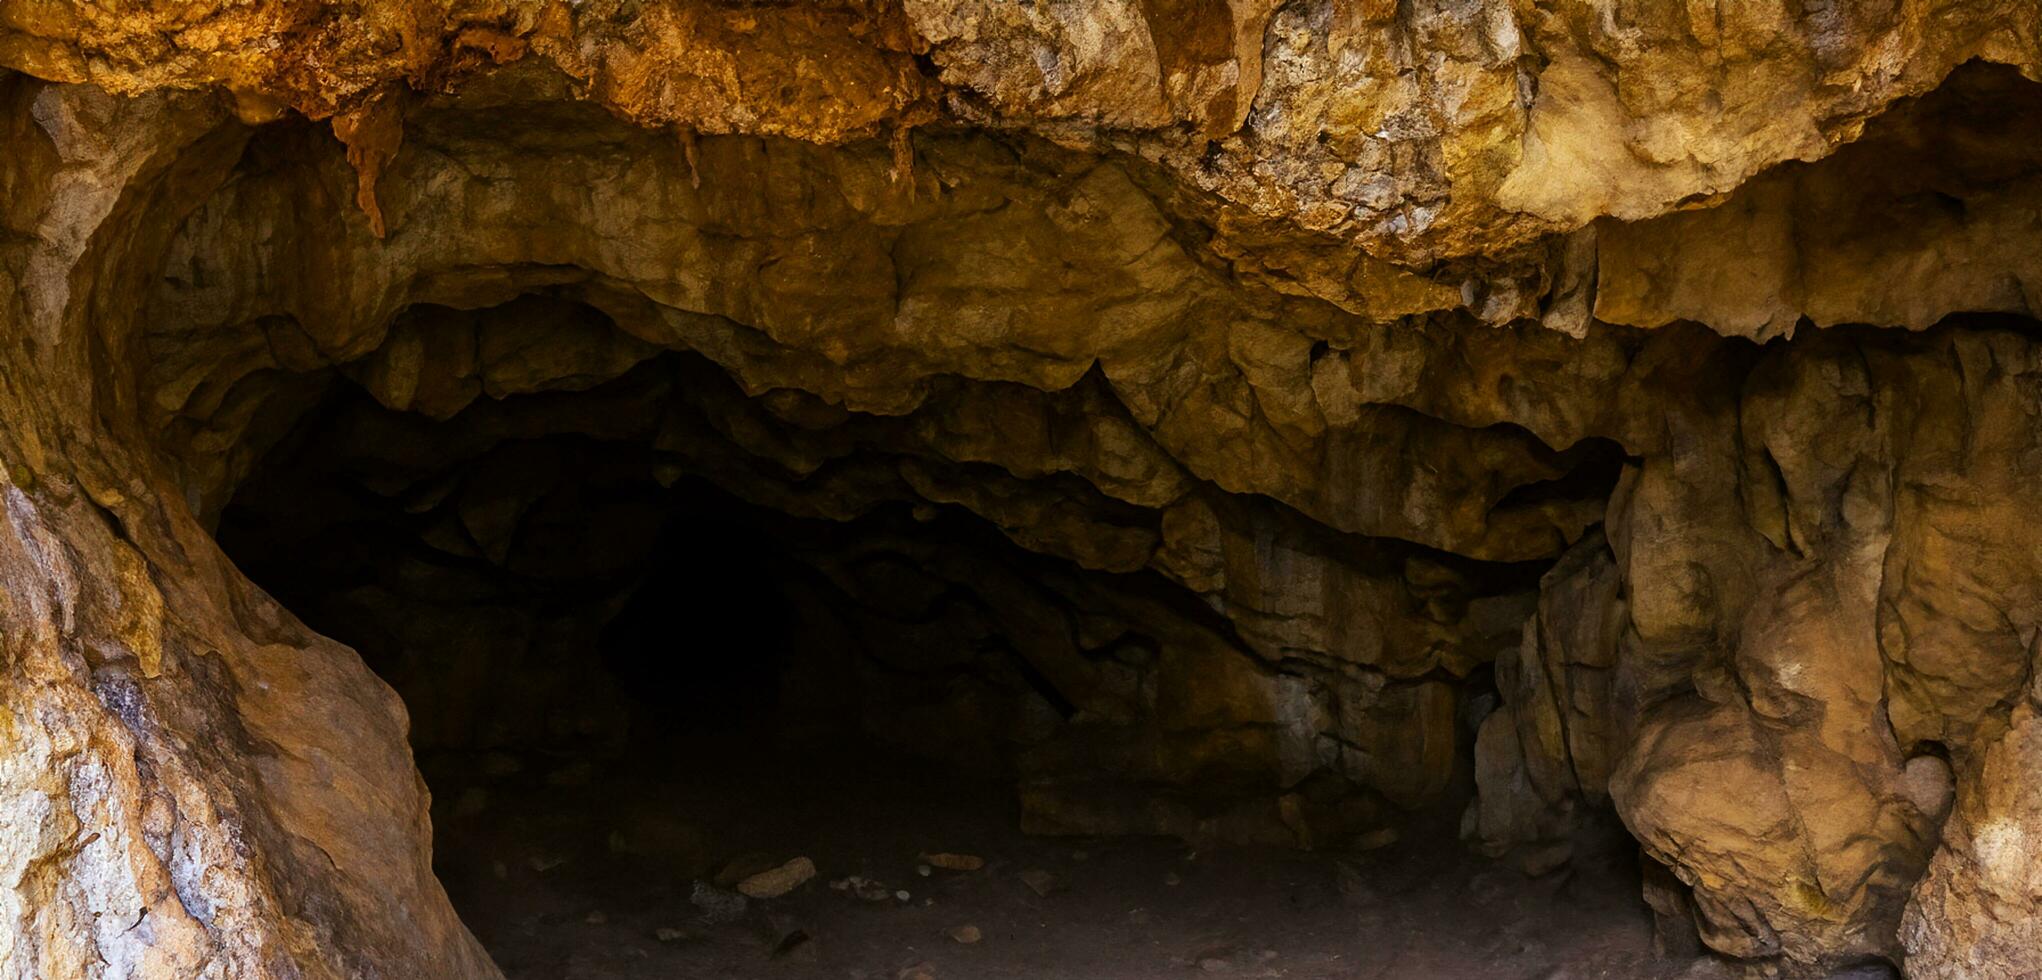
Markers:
{"x": 1216, "y": 407}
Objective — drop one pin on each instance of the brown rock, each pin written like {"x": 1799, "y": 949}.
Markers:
{"x": 775, "y": 882}
{"x": 744, "y": 866}
{"x": 954, "y": 862}
{"x": 1973, "y": 913}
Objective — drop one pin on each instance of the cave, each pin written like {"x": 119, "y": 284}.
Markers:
{"x": 646, "y": 653}
{"x": 906, "y": 491}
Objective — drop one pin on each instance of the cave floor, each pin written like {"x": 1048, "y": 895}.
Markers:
{"x": 581, "y": 871}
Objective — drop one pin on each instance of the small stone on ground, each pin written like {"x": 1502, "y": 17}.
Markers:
{"x": 776, "y": 882}
{"x": 954, "y": 862}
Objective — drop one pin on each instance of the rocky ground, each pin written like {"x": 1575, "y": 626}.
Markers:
{"x": 567, "y": 869}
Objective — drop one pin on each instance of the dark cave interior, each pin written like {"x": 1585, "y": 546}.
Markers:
{"x": 630, "y": 687}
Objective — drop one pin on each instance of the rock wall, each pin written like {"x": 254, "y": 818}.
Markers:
{"x": 1678, "y": 363}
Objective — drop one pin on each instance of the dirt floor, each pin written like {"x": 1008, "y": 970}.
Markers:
{"x": 579, "y": 871}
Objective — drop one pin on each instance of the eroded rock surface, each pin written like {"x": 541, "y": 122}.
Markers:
{"x": 1299, "y": 368}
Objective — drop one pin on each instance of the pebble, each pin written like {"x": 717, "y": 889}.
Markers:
{"x": 775, "y": 882}
{"x": 865, "y": 888}
{"x": 716, "y": 904}
{"x": 1173, "y": 879}
{"x": 954, "y": 862}
{"x": 920, "y": 971}
{"x": 902, "y": 895}
{"x": 966, "y": 934}
{"x": 924, "y": 870}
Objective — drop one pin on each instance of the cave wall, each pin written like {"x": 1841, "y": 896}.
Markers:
{"x": 196, "y": 785}
{"x": 1345, "y": 322}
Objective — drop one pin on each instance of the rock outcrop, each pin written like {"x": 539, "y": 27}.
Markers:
{"x": 1272, "y": 378}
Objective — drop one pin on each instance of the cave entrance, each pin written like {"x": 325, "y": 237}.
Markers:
{"x": 668, "y": 645}
{"x": 631, "y": 689}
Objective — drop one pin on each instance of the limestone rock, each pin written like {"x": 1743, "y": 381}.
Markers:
{"x": 1972, "y": 913}
{"x": 1423, "y": 131}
